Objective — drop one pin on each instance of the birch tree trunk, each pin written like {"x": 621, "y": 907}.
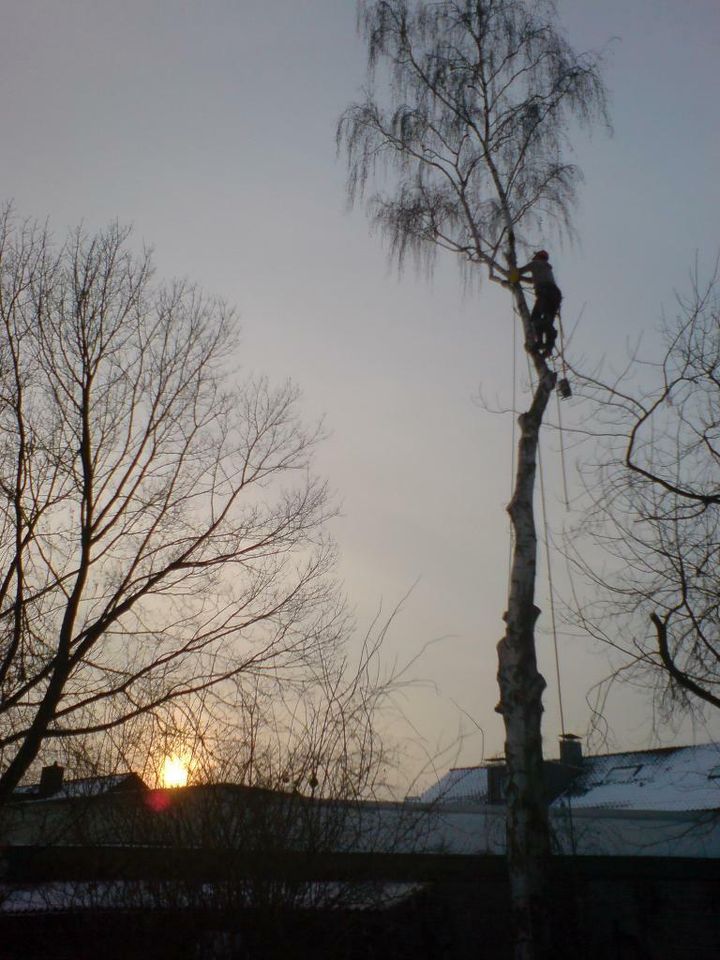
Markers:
{"x": 521, "y": 685}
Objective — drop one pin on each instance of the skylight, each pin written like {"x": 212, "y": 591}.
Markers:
{"x": 623, "y": 774}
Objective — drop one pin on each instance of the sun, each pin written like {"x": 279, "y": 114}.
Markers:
{"x": 174, "y": 772}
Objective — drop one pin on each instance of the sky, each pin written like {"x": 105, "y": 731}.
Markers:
{"x": 209, "y": 126}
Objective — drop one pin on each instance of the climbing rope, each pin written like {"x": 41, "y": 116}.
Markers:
{"x": 564, "y": 391}
{"x": 562, "y": 344}
{"x": 514, "y": 427}
{"x": 566, "y": 495}
{"x": 551, "y": 589}
{"x": 559, "y": 413}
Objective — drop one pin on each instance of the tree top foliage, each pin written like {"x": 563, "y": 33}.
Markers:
{"x": 474, "y": 131}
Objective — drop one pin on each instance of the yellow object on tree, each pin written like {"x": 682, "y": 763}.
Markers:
{"x": 514, "y": 275}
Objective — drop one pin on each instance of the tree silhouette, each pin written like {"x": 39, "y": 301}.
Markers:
{"x": 161, "y": 534}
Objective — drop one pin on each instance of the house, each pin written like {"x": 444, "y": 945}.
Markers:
{"x": 57, "y": 810}
{"x": 108, "y": 865}
{"x": 662, "y": 802}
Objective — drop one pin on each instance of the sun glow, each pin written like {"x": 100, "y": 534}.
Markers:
{"x": 174, "y": 772}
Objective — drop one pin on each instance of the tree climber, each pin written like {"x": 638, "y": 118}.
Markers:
{"x": 547, "y": 301}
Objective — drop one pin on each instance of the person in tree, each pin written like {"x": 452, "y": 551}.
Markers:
{"x": 547, "y": 301}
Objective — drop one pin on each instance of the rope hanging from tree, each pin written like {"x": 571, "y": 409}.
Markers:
{"x": 551, "y": 590}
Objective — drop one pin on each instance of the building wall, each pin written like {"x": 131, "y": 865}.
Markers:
{"x": 601, "y": 909}
{"x": 214, "y": 817}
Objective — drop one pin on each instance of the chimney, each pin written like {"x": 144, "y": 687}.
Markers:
{"x": 571, "y": 750}
{"x": 51, "y": 780}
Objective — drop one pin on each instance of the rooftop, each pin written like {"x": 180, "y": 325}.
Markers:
{"x": 665, "y": 779}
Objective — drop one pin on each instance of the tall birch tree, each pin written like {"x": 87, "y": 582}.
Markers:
{"x": 468, "y": 108}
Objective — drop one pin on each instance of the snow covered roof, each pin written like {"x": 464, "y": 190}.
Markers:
{"x": 674, "y": 778}
{"x": 459, "y": 785}
{"x": 667, "y": 779}
{"x": 81, "y": 787}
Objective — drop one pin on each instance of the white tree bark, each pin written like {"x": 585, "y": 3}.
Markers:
{"x": 521, "y": 684}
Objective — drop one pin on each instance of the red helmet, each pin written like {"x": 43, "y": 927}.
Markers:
{"x": 541, "y": 255}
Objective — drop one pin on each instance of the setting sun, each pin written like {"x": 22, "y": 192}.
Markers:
{"x": 174, "y": 772}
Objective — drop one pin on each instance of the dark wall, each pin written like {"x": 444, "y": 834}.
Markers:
{"x": 601, "y": 909}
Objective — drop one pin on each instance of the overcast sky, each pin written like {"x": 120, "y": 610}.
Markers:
{"x": 209, "y": 126}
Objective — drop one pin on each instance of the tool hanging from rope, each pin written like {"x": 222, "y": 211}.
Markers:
{"x": 563, "y": 386}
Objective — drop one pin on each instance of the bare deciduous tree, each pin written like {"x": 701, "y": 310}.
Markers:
{"x": 161, "y": 534}
{"x": 655, "y": 501}
{"x": 473, "y": 132}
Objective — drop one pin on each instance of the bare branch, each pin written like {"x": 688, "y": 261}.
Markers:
{"x": 161, "y": 532}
